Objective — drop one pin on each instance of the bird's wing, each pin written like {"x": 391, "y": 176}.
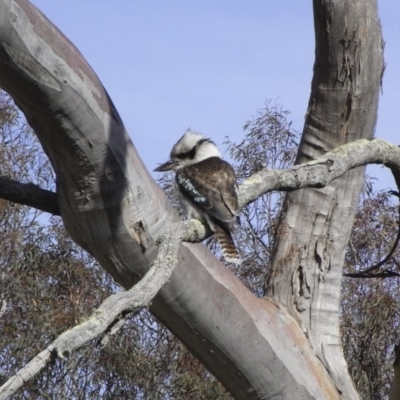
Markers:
{"x": 211, "y": 185}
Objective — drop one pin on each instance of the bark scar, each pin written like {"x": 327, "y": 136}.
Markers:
{"x": 140, "y": 230}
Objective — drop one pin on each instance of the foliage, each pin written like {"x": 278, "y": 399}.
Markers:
{"x": 271, "y": 143}
{"x": 371, "y": 307}
{"x": 48, "y": 284}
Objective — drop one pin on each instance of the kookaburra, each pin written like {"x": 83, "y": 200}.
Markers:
{"x": 206, "y": 187}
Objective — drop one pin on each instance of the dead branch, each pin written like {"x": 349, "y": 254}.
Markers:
{"x": 317, "y": 173}
{"x": 114, "y": 307}
{"x": 323, "y": 170}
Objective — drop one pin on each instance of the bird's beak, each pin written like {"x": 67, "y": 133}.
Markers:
{"x": 166, "y": 166}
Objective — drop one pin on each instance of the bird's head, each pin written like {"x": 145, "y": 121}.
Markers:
{"x": 191, "y": 148}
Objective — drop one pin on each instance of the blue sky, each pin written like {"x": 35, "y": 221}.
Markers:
{"x": 209, "y": 65}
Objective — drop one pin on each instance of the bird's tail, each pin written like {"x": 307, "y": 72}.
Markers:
{"x": 228, "y": 247}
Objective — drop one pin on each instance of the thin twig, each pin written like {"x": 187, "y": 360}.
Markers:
{"x": 114, "y": 306}
{"x": 366, "y": 273}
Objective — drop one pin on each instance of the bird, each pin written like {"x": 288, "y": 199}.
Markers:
{"x": 206, "y": 186}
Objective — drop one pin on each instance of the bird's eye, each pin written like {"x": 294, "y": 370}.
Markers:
{"x": 187, "y": 155}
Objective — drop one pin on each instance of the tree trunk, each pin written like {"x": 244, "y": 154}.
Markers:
{"x": 316, "y": 223}
{"x": 111, "y": 207}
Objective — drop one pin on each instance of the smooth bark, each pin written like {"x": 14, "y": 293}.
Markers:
{"x": 316, "y": 223}
{"x": 111, "y": 207}
{"x": 317, "y": 173}
{"x": 113, "y": 308}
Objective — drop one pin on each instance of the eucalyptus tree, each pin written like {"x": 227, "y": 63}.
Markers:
{"x": 284, "y": 345}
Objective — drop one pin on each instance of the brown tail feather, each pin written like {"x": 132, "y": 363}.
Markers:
{"x": 227, "y": 245}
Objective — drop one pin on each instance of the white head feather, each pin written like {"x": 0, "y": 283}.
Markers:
{"x": 193, "y": 147}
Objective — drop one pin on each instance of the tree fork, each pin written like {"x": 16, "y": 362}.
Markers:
{"x": 112, "y": 208}
{"x": 316, "y": 223}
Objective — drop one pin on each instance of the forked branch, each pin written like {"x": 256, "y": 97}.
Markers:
{"x": 317, "y": 173}
{"x": 114, "y": 307}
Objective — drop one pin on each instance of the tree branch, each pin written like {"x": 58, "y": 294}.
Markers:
{"x": 323, "y": 170}
{"x": 317, "y": 173}
{"x": 115, "y": 306}
{"x": 386, "y": 272}
{"x": 29, "y": 194}
{"x": 112, "y": 208}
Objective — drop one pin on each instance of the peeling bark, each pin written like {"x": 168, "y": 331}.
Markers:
{"x": 106, "y": 195}
{"x": 112, "y": 208}
{"x": 316, "y": 224}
